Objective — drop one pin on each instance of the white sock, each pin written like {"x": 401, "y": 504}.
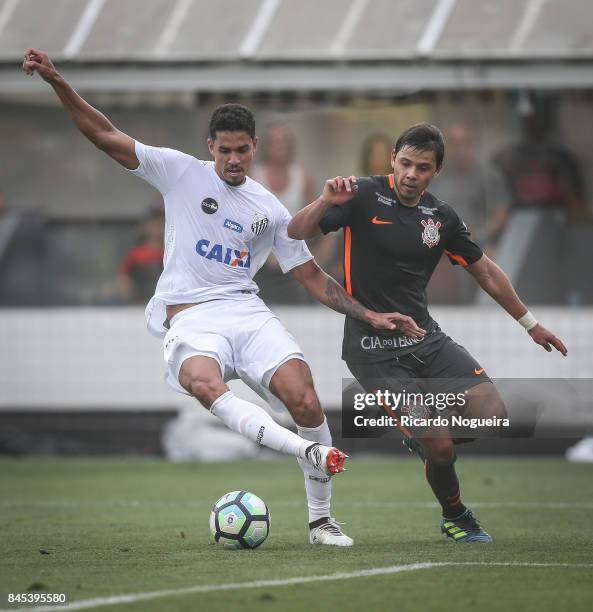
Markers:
{"x": 257, "y": 425}
{"x": 318, "y": 486}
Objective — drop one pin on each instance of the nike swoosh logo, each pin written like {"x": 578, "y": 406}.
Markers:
{"x": 376, "y": 221}
{"x": 478, "y": 372}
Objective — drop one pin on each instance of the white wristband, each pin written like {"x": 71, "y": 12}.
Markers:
{"x": 528, "y": 321}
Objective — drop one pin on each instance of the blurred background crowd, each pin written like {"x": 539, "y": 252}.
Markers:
{"x": 76, "y": 230}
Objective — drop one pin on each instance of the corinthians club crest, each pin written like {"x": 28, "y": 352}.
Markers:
{"x": 430, "y": 235}
{"x": 259, "y": 225}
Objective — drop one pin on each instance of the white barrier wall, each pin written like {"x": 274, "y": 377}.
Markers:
{"x": 104, "y": 359}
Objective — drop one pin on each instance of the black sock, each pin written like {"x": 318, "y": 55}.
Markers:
{"x": 443, "y": 481}
{"x": 318, "y": 522}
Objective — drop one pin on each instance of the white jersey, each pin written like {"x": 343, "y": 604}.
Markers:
{"x": 216, "y": 236}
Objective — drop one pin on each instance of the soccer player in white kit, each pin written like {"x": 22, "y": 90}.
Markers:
{"x": 220, "y": 228}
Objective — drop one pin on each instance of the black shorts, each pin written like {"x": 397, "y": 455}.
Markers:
{"x": 441, "y": 366}
{"x": 442, "y": 369}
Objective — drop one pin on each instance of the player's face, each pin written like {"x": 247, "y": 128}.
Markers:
{"x": 233, "y": 153}
{"x": 412, "y": 172}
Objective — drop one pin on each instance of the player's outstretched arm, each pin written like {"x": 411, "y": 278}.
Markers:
{"x": 325, "y": 289}
{"x": 92, "y": 123}
{"x": 338, "y": 190}
{"x": 497, "y": 284}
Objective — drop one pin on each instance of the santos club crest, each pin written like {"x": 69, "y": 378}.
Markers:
{"x": 259, "y": 225}
{"x": 430, "y": 235}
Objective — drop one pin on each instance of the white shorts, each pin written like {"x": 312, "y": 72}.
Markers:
{"x": 243, "y": 336}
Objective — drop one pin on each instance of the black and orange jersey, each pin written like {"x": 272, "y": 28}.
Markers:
{"x": 390, "y": 253}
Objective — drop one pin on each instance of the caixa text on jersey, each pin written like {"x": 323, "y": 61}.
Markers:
{"x": 221, "y": 254}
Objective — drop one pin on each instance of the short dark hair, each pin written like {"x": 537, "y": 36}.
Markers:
{"x": 423, "y": 137}
{"x": 232, "y": 118}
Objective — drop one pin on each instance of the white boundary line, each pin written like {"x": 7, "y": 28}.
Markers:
{"x": 234, "y": 586}
{"x": 11, "y": 505}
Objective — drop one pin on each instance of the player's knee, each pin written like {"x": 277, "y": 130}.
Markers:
{"x": 438, "y": 450}
{"x": 499, "y": 410}
{"x": 492, "y": 407}
{"x": 206, "y": 391}
{"x": 304, "y": 406}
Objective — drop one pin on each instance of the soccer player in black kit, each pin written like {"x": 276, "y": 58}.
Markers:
{"x": 395, "y": 232}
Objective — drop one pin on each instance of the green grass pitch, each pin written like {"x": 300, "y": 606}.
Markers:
{"x": 131, "y": 526}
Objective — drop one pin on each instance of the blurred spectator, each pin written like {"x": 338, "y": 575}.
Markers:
{"x": 22, "y": 249}
{"x": 475, "y": 188}
{"x": 540, "y": 172}
{"x": 279, "y": 171}
{"x": 375, "y": 158}
{"x": 142, "y": 265}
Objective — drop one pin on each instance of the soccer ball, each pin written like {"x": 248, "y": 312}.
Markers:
{"x": 240, "y": 519}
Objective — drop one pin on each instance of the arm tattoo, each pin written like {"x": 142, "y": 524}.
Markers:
{"x": 339, "y": 300}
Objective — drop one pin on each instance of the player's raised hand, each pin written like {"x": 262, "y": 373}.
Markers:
{"x": 38, "y": 61}
{"x": 540, "y": 335}
{"x": 339, "y": 190}
{"x": 395, "y": 321}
